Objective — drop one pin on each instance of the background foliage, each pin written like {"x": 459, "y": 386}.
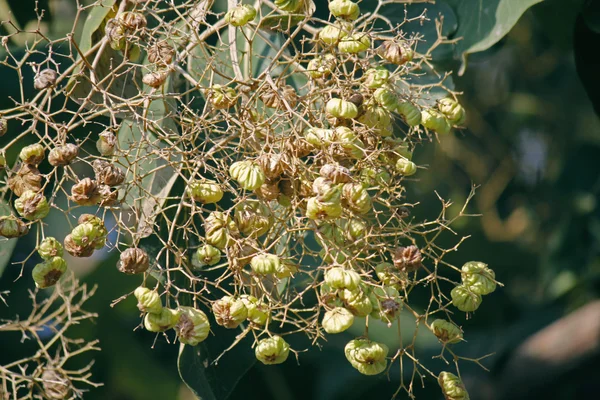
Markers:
{"x": 532, "y": 145}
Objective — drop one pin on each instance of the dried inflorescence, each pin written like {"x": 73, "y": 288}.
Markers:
{"x": 263, "y": 183}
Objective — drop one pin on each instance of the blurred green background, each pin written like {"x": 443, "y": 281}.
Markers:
{"x": 532, "y": 146}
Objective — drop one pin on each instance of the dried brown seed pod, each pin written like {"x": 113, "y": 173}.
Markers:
{"x": 268, "y": 190}
{"x": 63, "y": 155}
{"x": 107, "y": 173}
{"x": 336, "y": 173}
{"x": 155, "y": 79}
{"x": 408, "y": 259}
{"x": 26, "y": 178}
{"x": 85, "y": 192}
{"x": 161, "y": 53}
{"x": 357, "y": 99}
{"x": 395, "y": 52}
{"x": 133, "y": 20}
{"x": 56, "y": 384}
{"x": 45, "y": 79}
{"x": 75, "y": 250}
{"x": 272, "y": 99}
{"x": 272, "y": 164}
{"x": 133, "y": 261}
{"x": 3, "y": 126}
{"x": 109, "y": 196}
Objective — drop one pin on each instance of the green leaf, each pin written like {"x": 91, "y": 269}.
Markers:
{"x": 482, "y": 23}
{"x": 207, "y": 380}
{"x": 6, "y": 246}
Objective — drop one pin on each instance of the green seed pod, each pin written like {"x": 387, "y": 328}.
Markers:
{"x": 166, "y": 319}
{"x": 258, "y": 312}
{"x": 386, "y": 98}
{"x": 63, "y": 155}
{"x": 350, "y": 143}
{"x": 329, "y": 234}
{"x": 49, "y": 248}
{"x": 240, "y": 15}
{"x": 265, "y": 264}
{"x": 452, "y": 110}
{"x": 478, "y": 278}
{"x": 319, "y": 137}
{"x": 289, "y": 5}
{"x": 378, "y": 119}
{"x": 205, "y": 192}
{"x": 446, "y": 331}
{"x": 435, "y": 121}
{"x": 207, "y": 255}
{"x": 106, "y": 143}
{"x": 3, "y": 126}
{"x": 321, "y": 211}
{"x": 96, "y": 222}
{"x": 116, "y": 33}
{"x": 374, "y": 177}
{"x": 356, "y": 198}
{"x": 285, "y": 270}
{"x": 46, "y": 274}
{"x": 221, "y": 97}
{"x": 341, "y": 278}
{"x": 32, "y": 154}
{"x": 193, "y": 326}
{"x": 464, "y": 299}
{"x": 406, "y": 167}
{"x": 390, "y": 276}
{"x": 321, "y": 66}
{"x": 229, "y": 312}
{"x": 345, "y": 9}
{"x": 354, "y": 44}
{"x": 133, "y": 52}
{"x": 133, "y": 261}
{"x": 341, "y": 109}
{"x": 85, "y": 234}
{"x": 386, "y": 304}
{"x": 354, "y": 229}
{"x": 368, "y": 357}
{"x": 219, "y": 228}
{"x": 253, "y": 218}
{"x": 376, "y": 77}
{"x": 335, "y": 173}
{"x": 395, "y": 52}
{"x": 357, "y": 301}
{"x": 248, "y": 174}
{"x": 326, "y": 190}
{"x": 12, "y": 227}
{"x": 148, "y": 300}
{"x": 332, "y": 34}
{"x": 452, "y": 387}
{"x": 332, "y": 257}
{"x": 2, "y": 162}
{"x": 32, "y": 205}
{"x": 410, "y": 113}
{"x": 273, "y": 350}
{"x": 45, "y": 79}
{"x": 337, "y": 320}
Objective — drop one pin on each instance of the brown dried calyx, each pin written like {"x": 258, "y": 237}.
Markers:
{"x": 133, "y": 261}
{"x": 27, "y": 177}
{"x": 56, "y": 384}
{"x": 408, "y": 259}
{"x": 86, "y": 192}
{"x": 45, "y": 79}
{"x": 161, "y": 53}
{"x": 63, "y": 155}
{"x": 269, "y": 190}
{"x": 335, "y": 173}
{"x": 272, "y": 164}
{"x": 107, "y": 174}
{"x": 272, "y": 99}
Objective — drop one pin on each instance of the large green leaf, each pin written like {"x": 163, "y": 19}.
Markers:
{"x": 6, "y": 247}
{"x": 482, "y": 23}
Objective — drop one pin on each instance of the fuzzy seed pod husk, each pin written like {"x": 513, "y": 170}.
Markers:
{"x": 332, "y": 34}
{"x": 337, "y": 320}
{"x": 273, "y": 350}
{"x": 32, "y": 154}
{"x": 452, "y": 387}
{"x": 452, "y": 110}
{"x": 407, "y": 259}
{"x": 45, "y": 79}
{"x": 207, "y": 255}
{"x": 32, "y": 205}
{"x": 395, "y": 52}
{"x": 49, "y": 248}
{"x": 265, "y": 264}
{"x": 376, "y": 77}
{"x": 48, "y": 273}
{"x": 355, "y": 43}
{"x": 27, "y": 177}
{"x": 229, "y": 312}
{"x": 106, "y": 143}
{"x": 435, "y": 121}
{"x": 240, "y": 15}
{"x": 410, "y": 113}
{"x": 248, "y": 174}
{"x": 478, "y": 277}
{"x": 446, "y": 331}
{"x": 406, "y": 167}
{"x": 368, "y": 357}
{"x": 63, "y": 155}
{"x": 85, "y": 192}
{"x": 289, "y": 5}
{"x": 12, "y": 227}
{"x": 464, "y": 299}
{"x": 193, "y": 326}
{"x": 204, "y": 191}
{"x": 133, "y": 261}
{"x": 148, "y": 300}
{"x": 166, "y": 319}
{"x": 345, "y": 9}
